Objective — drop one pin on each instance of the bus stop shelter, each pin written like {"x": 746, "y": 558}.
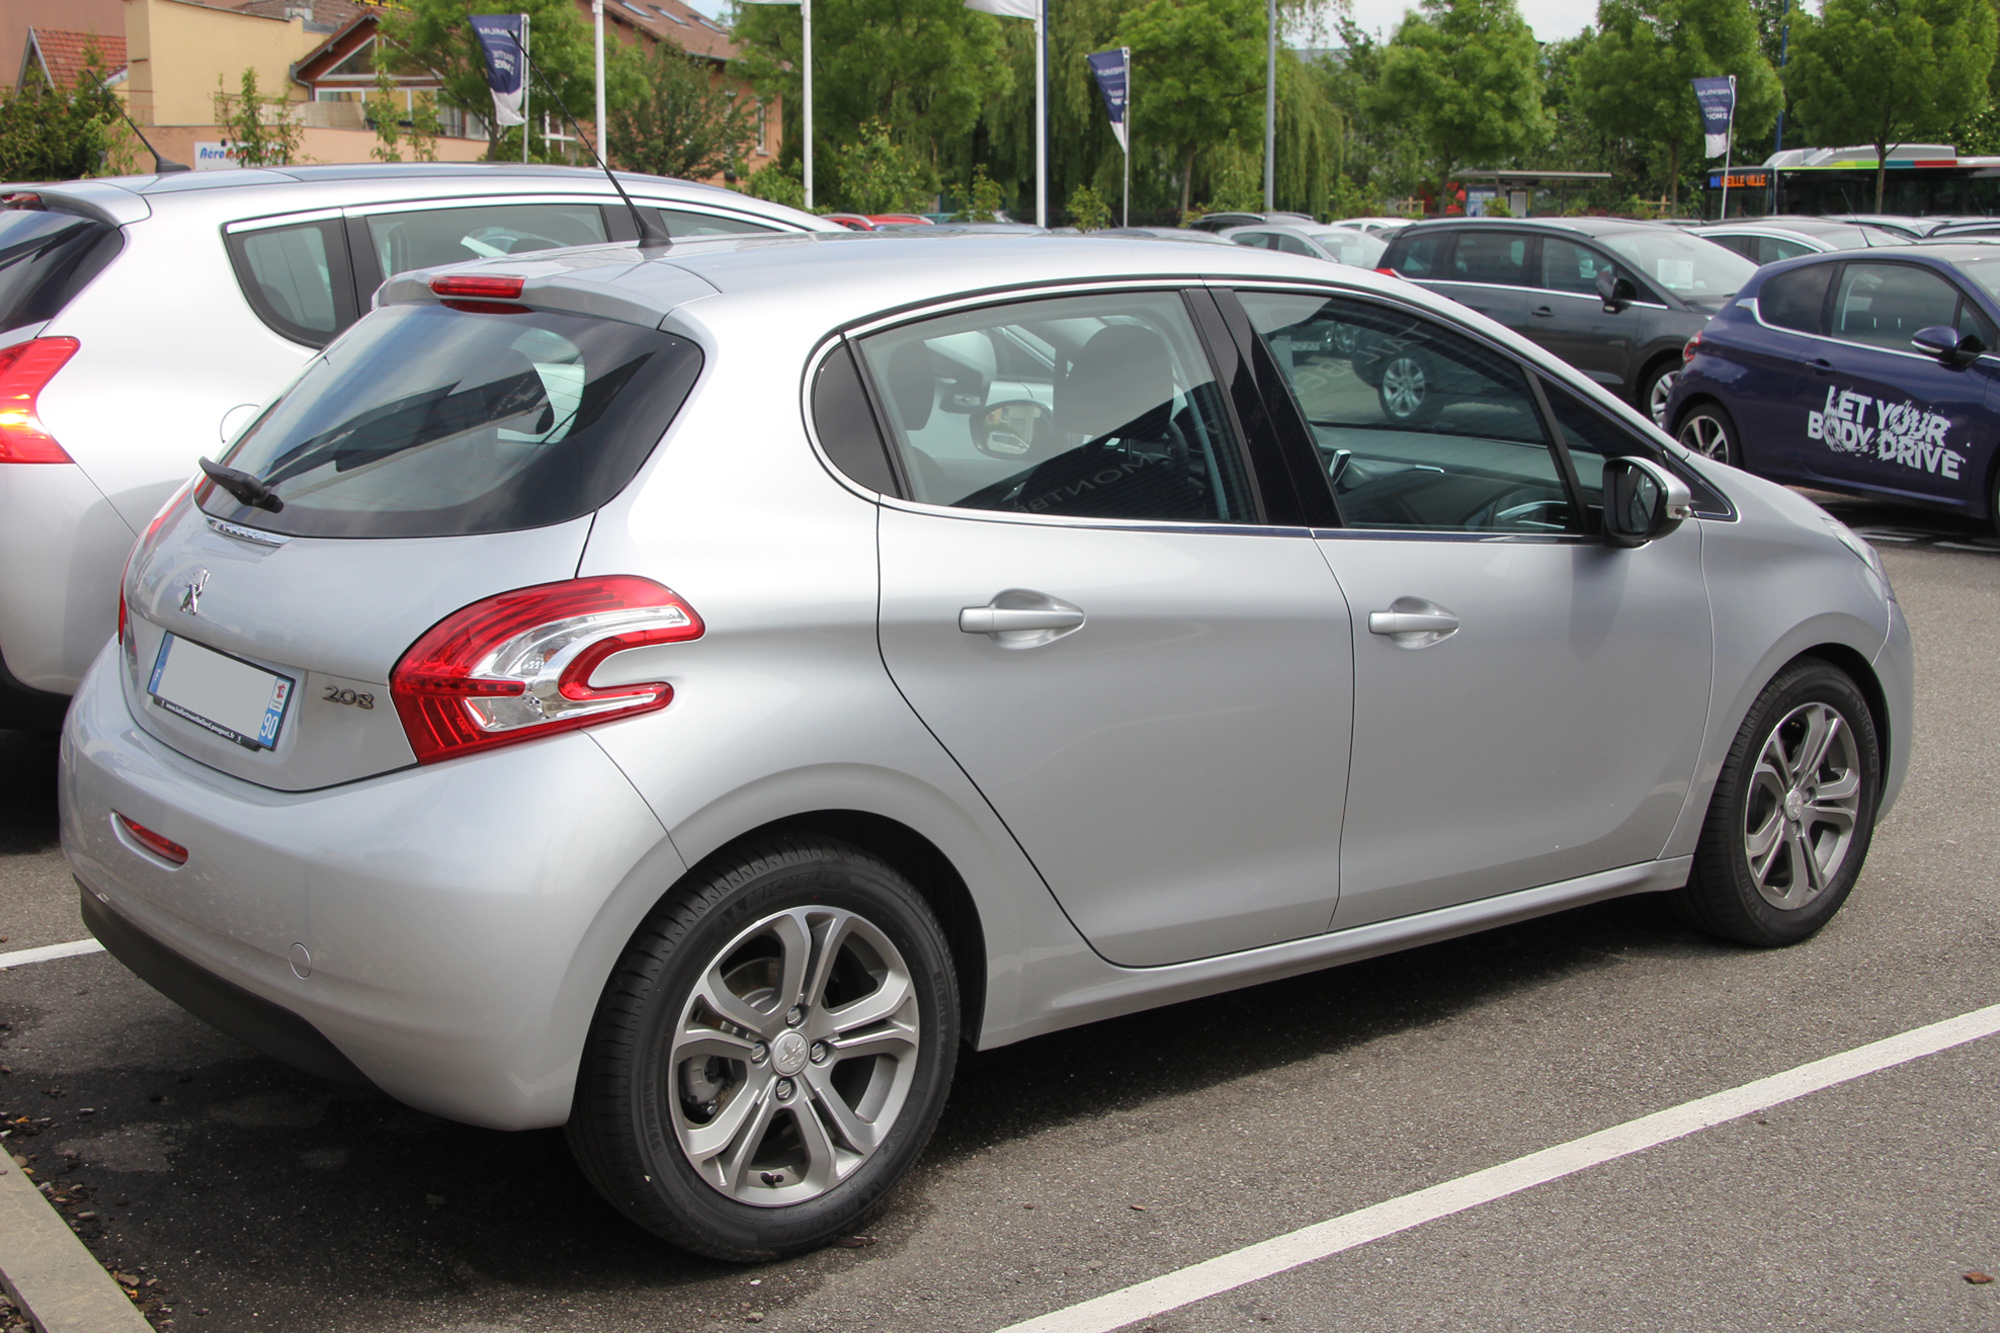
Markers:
{"x": 1517, "y": 189}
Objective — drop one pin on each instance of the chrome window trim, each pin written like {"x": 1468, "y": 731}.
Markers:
{"x": 1757, "y": 313}
{"x": 274, "y": 220}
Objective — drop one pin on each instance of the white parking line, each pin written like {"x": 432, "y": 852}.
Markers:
{"x": 17, "y": 957}
{"x": 1281, "y": 1253}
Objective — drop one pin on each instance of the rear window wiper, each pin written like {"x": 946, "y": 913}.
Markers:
{"x": 243, "y": 486}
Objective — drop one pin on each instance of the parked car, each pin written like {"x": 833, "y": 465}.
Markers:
{"x": 1161, "y": 234}
{"x": 1219, "y": 221}
{"x": 1902, "y": 223}
{"x": 1867, "y": 373}
{"x": 1342, "y": 245}
{"x": 1616, "y": 299}
{"x": 146, "y": 319}
{"x": 1768, "y": 240}
{"x": 686, "y": 696}
{"x": 1386, "y": 228}
{"x": 852, "y": 221}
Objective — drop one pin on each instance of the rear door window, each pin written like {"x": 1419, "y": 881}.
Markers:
{"x": 430, "y": 422}
{"x": 1100, "y": 406}
{"x": 1491, "y": 256}
{"x": 45, "y": 259}
{"x": 1425, "y": 256}
{"x": 422, "y": 238}
{"x": 1795, "y": 299}
{"x": 296, "y": 279}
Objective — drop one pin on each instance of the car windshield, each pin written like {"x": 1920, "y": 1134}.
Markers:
{"x": 1350, "y": 245}
{"x": 1984, "y": 271}
{"x": 427, "y": 422}
{"x": 1688, "y": 266}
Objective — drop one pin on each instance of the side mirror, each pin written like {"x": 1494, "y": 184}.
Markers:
{"x": 1615, "y": 290}
{"x": 1642, "y": 501}
{"x": 1013, "y": 429}
{"x": 1942, "y": 341}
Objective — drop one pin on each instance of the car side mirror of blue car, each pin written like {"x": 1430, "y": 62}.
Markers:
{"x": 1642, "y": 502}
{"x": 1943, "y": 342}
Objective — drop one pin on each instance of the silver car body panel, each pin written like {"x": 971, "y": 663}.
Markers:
{"x": 459, "y": 950}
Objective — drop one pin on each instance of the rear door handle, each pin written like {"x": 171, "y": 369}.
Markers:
{"x": 1543, "y": 312}
{"x": 1015, "y": 620}
{"x": 1411, "y": 622}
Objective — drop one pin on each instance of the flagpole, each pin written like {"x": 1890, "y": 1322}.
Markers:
{"x": 1125, "y": 210}
{"x": 806, "y": 21}
{"x": 1728, "y": 149}
{"x": 597, "y": 12}
{"x": 1270, "y": 106}
{"x": 1042, "y": 113}
{"x": 527, "y": 121}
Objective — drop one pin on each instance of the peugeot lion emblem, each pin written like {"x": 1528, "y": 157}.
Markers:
{"x": 191, "y": 594}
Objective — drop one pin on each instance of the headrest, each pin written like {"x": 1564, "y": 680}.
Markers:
{"x": 1121, "y": 374}
{"x": 913, "y": 383}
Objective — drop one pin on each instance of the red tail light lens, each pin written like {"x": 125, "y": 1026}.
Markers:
{"x": 25, "y": 370}
{"x": 479, "y": 286}
{"x": 1691, "y": 348}
{"x": 1387, "y": 272}
{"x": 164, "y": 848}
{"x": 518, "y": 666}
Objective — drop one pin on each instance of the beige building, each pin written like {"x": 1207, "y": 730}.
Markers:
{"x": 317, "y": 54}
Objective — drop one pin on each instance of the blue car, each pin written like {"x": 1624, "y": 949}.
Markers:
{"x": 1869, "y": 373}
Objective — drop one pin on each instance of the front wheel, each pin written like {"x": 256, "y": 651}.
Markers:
{"x": 1655, "y": 388}
{"x": 1794, "y": 807}
{"x": 1406, "y": 392}
{"x": 771, "y": 1054}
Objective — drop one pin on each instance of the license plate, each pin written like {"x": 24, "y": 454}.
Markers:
{"x": 221, "y": 694}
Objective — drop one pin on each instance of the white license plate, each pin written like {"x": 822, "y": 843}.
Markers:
{"x": 219, "y": 693}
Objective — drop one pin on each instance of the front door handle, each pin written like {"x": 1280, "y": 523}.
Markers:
{"x": 1015, "y": 619}
{"x": 1412, "y": 622}
{"x": 1821, "y": 366}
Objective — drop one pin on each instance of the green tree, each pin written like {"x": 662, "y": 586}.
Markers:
{"x": 1088, "y": 210}
{"x": 436, "y": 35}
{"x": 49, "y": 134}
{"x": 777, "y": 181}
{"x": 261, "y": 130}
{"x": 685, "y": 121}
{"x": 1633, "y": 81}
{"x": 875, "y": 174}
{"x": 399, "y": 118}
{"x": 1884, "y": 72}
{"x": 982, "y": 202}
{"x": 1466, "y": 76}
{"x": 1198, "y": 71}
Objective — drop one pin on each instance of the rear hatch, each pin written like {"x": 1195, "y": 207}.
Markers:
{"x": 431, "y": 458}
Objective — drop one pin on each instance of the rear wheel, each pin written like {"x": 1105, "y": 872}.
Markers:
{"x": 1655, "y": 387}
{"x": 1708, "y": 429}
{"x": 1789, "y": 825}
{"x": 771, "y": 1054}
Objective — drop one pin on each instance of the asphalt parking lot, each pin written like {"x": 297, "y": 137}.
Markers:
{"x": 243, "y": 1196}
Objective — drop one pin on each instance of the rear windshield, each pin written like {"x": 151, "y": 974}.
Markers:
{"x": 425, "y": 421}
{"x": 45, "y": 259}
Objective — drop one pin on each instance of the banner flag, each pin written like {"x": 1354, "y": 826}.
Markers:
{"x": 1112, "y": 70}
{"x": 1006, "y": 9}
{"x": 1717, "y": 98}
{"x": 500, "y": 42}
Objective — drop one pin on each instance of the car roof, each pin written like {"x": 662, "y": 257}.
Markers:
{"x": 846, "y": 276}
{"x": 1581, "y": 226}
{"x": 267, "y": 190}
{"x": 1798, "y": 226}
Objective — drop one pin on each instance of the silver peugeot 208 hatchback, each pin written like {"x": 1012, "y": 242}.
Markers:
{"x": 685, "y": 694}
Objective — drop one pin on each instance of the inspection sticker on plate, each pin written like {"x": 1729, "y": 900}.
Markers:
{"x": 219, "y": 693}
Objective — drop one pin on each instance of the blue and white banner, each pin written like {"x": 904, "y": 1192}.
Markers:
{"x": 1717, "y": 99}
{"x": 1113, "y": 72}
{"x": 501, "y": 37}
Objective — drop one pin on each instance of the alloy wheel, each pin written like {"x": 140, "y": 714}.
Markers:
{"x": 1805, "y": 799}
{"x": 1704, "y": 435}
{"x": 1403, "y": 387}
{"x": 1656, "y": 397}
{"x": 794, "y": 1055}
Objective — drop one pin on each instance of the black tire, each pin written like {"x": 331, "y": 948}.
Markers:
{"x": 1722, "y": 896}
{"x": 1667, "y": 368}
{"x": 1707, "y": 429}
{"x": 633, "y": 1101}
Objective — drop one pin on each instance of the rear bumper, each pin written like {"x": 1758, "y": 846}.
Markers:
{"x": 457, "y": 922}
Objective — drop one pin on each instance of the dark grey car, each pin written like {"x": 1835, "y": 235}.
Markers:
{"x": 1617, "y": 299}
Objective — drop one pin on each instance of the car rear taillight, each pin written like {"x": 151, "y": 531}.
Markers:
{"x": 1387, "y": 272}
{"x": 481, "y": 286}
{"x": 25, "y": 370}
{"x": 1690, "y": 348}
{"x": 517, "y": 666}
{"x": 164, "y": 848}
{"x": 159, "y": 521}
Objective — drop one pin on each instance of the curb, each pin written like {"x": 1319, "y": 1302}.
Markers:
{"x": 51, "y": 1276}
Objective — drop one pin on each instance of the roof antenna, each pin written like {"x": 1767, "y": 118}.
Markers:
{"x": 161, "y": 166}
{"x": 650, "y": 235}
